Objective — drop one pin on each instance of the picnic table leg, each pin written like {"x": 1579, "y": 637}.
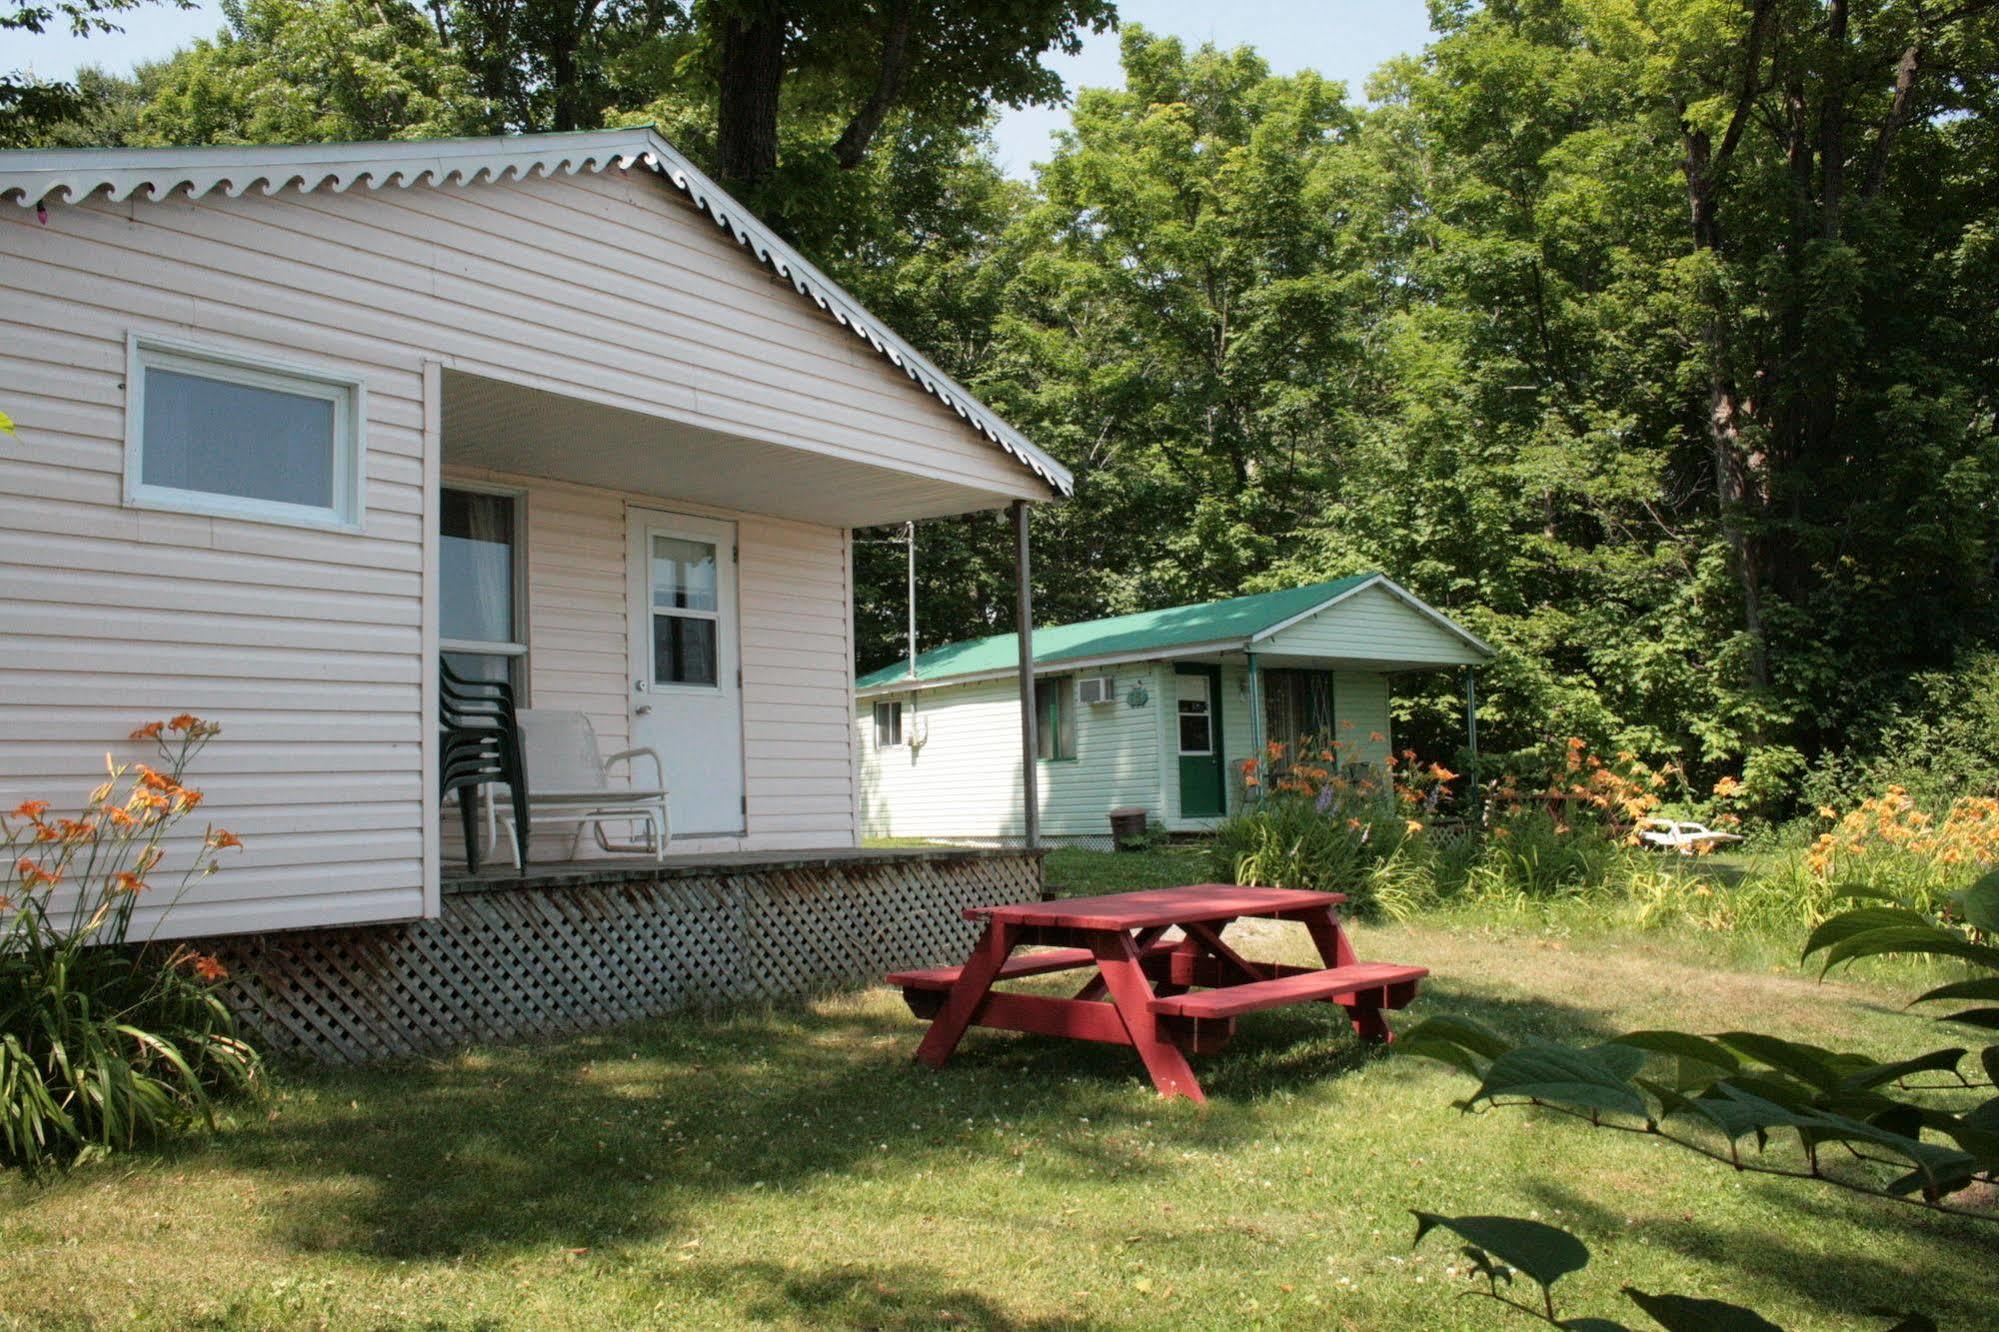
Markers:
{"x": 1124, "y": 976}
{"x": 948, "y": 1028}
{"x": 1094, "y": 987}
{"x": 1336, "y": 950}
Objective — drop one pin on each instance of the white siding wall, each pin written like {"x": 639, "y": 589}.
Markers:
{"x": 792, "y": 599}
{"x": 964, "y": 780}
{"x": 1373, "y": 625}
{"x": 308, "y": 646}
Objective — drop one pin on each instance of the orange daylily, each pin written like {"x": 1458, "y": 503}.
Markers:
{"x": 128, "y": 881}
{"x": 34, "y": 874}
{"x": 150, "y": 731}
{"x": 222, "y": 837}
{"x": 31, "y": 810}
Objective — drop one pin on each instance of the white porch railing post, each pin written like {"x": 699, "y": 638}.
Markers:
{"x": 1023, "y": 619}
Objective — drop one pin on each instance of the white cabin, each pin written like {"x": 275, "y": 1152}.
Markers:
{"x": 291, "y": 422}
{"x": 1156, "y": 711}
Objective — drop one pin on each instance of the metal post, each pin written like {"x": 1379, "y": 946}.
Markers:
{"x": 1471, "y": 742}
{"x": 1256, "y": 736}
{"x": 912, "y": 599}
{"x": 1023, "y": 621}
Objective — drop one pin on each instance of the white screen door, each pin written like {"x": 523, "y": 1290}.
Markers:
{"x": 686, "y": 695}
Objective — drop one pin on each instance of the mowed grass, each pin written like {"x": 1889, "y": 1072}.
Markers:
{"x": 790, "y": 1167}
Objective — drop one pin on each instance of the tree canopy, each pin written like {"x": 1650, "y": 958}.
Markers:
{"x": 1656, "y": 342}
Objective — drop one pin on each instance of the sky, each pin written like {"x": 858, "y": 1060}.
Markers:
{"x": 1342, "y": 39}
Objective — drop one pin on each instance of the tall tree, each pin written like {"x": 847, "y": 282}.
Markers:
{"x": 29, "y": 105}
{"x": 943, "y": 61}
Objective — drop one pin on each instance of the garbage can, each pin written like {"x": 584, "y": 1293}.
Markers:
{"x": 1128, "y": 828}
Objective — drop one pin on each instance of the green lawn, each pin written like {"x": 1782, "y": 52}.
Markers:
{"x": 790, "y": 1168}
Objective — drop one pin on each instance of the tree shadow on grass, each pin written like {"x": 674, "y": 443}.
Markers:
{"x": 887, "y": 1296}
{"x": 1951, "y": 1286}
{"x": 634, "y": 1135}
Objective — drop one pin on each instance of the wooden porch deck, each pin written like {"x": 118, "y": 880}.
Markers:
{"x": 610, "y": 871}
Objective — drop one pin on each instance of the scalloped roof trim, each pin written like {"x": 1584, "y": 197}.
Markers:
{"x": 34, "y": 178}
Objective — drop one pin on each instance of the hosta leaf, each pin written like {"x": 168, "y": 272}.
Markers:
{"x": 1980, "y": 903}
{"x": 1988, "y": 1059}
{"x": 1909, "y": 940}
{"x": 1686, "y": 1313}
{"x": 1736, "y": 1111}
{"x": 1557, "y": 1074}
{"x": 1544, "y": 1252}
{"x": 1473, "y": 1036}
{"x": 1861, "y": 920}
{"x": 1807, "y": 1063}
{"x": 1591, "y": 1325}
{"x": 1987, "y": 1018}
{"x": 1681, "y": 1045}
{"x": 1622, "y": 1060}
{"x": 1936, "y": 1061}
{"x": 1985, "y": 987}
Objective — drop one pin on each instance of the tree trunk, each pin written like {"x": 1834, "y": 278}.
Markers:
{"x": 852, "y": 147}
{"x": 752, "y": 76}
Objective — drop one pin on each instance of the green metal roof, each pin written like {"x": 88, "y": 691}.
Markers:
{"x": 1233, "y": 620}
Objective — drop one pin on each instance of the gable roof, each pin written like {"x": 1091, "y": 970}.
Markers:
{"x": 36, "y": 177}
{"x": 1230, "y": 625}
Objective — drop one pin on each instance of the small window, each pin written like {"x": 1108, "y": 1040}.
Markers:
{"x": 239, "y": 438}
{"x": 1054, "y": 718}
{"x": 888, "y": 726}
{"x": 477, "y": 585}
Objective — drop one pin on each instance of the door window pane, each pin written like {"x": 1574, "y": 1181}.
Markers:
{"x": 683, "y": 650}
{"x": 1196, "y": 725}
{"x": 227, "y": 438}
{"x": 683, "y": 574}
{"x": 475, "y": 572}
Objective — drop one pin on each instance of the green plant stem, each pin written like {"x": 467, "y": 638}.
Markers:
{"x": 1735, "y": 1162}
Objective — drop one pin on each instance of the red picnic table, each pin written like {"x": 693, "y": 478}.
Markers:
{"x": 1160, "y": 992}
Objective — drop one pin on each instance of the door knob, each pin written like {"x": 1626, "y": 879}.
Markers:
{"x": 642, "y": 709}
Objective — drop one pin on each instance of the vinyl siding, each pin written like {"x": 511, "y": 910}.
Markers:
{"x": 965, "y": 780}
{"x": 794, "y": 617}
{"x": 1372, "y": 625}
{"x": 309, "y": 646}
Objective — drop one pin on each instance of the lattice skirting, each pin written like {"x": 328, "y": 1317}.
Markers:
{"x": 506, "y": 962}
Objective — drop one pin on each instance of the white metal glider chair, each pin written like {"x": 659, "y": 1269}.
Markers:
{"x": 570, "y": 781}
{"x": 1679, "y": 835}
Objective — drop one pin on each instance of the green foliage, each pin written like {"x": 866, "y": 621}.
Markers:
{"x": 106, "y": 1043}
{"x": 1921, "y": 1129}
{"x": 30, "y": 105}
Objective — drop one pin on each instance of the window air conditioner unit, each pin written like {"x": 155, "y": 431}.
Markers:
{"x": 1096, "y": 689}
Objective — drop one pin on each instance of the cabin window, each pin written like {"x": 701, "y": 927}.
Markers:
{"x": 1054, "y": 718}
{"x": 207, "y": 432}
{"x": 888, "y": 726}
{"x": 478, "y": 584}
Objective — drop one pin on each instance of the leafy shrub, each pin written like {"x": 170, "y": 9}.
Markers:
{"x": 106, "y": 1043}
{"x": 1298, "y": 841}
{"x": 1920, "y": 1129}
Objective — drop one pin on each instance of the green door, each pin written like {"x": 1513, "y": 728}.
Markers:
{"x": 1199, "y": 734}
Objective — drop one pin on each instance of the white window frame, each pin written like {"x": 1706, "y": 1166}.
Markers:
{"x": 517, "y": 650}
{"x": 901, "y": 724}
{"x": 347, "y": 393}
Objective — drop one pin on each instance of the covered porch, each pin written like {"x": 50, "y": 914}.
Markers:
{"x": 688, "y": 593}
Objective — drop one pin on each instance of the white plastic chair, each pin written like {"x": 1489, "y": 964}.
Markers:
{"x": 1681, "y": 835}
{"x": 570, "y": 781}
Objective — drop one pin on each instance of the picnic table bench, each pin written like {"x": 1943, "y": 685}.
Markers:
{"x": 1166, "y": 982}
